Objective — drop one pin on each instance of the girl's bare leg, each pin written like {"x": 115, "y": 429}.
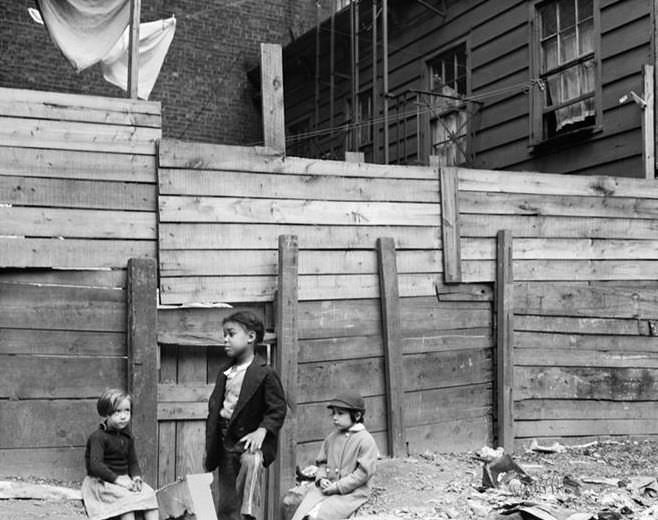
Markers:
{"x": 128, "y": 516}
{"x": 151, "y": 514}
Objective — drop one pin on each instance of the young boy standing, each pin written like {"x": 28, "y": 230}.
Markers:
{"x": 245, "y": 413}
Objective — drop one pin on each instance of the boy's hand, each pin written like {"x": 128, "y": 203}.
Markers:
{"x": 254, "y": 441}
{"x": 331, "y": 489}
{"x": 137, "y": 484}
{"x": 324, "y": 483}
{"x": 124, "y": 481}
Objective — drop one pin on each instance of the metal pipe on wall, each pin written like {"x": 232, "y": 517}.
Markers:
{"x": 375, "y": 94}
{"x": 332, "y": 72}
{"x": 385, "y": 77}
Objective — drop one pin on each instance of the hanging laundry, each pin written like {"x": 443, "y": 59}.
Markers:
{"x": 85, "y": 30}
{"x": 154, "y": 41}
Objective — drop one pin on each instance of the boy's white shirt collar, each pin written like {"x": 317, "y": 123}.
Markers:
{"x": 238, "y": 368}
{"x": 357, "y": 427}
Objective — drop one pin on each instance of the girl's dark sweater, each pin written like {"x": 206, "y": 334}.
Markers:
{"x": 111, "y": 453}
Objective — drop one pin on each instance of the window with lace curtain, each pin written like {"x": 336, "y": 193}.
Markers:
{"x": 566, "y": 61}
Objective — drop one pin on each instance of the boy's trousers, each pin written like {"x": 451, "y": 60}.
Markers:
{"x": 240, "y": 479}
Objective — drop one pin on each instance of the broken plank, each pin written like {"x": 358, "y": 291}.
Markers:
{"x": 316, "y": 187}
{"x": 180, "y": 154}
{"x": 450, "y": 226}
{"x": 245, "y": 210}
{"x": 265, "y": 236}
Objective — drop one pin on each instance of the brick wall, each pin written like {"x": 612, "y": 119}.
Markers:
{"x": 203, "y": 86}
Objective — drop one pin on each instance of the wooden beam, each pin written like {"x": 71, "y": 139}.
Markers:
{"x": 504, "y": 304}
{"x": 452, "y": 272}
{"x": 133, "y": 48}
{"x": 286, "y": 363}
{"x": 390, "y": 309}
{"x": 143, "y": 361}
{"x": 648, "y": 129}
{"x": 271, "y": 68}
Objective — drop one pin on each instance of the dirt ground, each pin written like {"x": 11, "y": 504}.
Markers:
{"x": 439, "y": 486}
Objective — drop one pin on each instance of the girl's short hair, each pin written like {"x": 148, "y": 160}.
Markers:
{"x": 249, "y": 321}
{"x": 109, "y": 401}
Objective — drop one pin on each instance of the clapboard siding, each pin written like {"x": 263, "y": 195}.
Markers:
{"x": 497, "y": 35}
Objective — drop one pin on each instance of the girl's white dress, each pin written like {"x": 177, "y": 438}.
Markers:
{"x": 347, "y": 458}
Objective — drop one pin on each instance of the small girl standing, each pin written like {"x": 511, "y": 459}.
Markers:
{"x": 113, "y": 486}
{"x": 346, "y": 464}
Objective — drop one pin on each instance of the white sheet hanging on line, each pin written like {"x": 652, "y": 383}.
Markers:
{"x": 85, "y": 30}
{"x": 154, "y": 41}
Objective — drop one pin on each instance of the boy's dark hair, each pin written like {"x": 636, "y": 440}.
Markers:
{"x": 109, "y": 401}
{"x": 249, "y": 321}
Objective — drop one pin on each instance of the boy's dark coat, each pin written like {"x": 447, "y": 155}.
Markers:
{"x": 261, "y": 403}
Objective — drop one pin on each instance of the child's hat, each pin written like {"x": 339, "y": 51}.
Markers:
{"x": 348, "y": 401}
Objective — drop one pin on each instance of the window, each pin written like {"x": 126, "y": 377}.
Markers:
{"x": 566, "y": 63}
{"x": 448, "y": 121}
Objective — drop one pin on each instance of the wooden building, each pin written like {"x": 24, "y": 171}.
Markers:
{"x": 497, "y": 84}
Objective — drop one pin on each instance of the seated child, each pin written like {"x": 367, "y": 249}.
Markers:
{"x": 346, "y": 464}
{"x": 113, "y": 486}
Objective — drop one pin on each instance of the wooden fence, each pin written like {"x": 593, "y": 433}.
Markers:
{"x": 585, "y": 296}
{"x": 77, "y": 201}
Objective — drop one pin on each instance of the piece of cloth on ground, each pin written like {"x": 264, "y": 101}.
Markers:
{"x": 85, "y": 30}
{"x": 154, "y": 41}
{"x": 105, "y": 500}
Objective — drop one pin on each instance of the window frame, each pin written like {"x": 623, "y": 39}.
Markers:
{"x": 426, "y": 78}
{"x": 537, "y": 96}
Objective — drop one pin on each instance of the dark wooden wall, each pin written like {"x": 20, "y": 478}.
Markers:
{"x": 497, "y": 33}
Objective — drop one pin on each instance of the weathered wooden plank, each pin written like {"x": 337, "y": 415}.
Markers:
{"x": 73, "y": 193}
{"x": 456, "y": 436}
{"x": 167, "y": 429}
{"x": 564, "y": 249}
{"x": 553, "y": 184}
{"x": 286, "y": 358}
{"x": 142, "y": 352}
{"x": 72, "y": 377}
{"x": 47, "y": 423}
{"x": 445, "y": 369}
{"x": 92, "y": 278}
{"x": 180, "y": 154}
{"x": 584, "y": 409}
{"x": 62, "y": 342}
{"x": 495, "y": 203}
{"x": 439, "y": 405}
{"x": 73, "y": 135}
{"x": 58, "y": 100}
{"x": 576, "y": 325}
{"x": 446, "y": 340}
{"x": 617, "y": 384}
{"x": 464, "y": 292}
{"x": 77, "y": 223}
{"x": 195, "y": 326}
{"x": 504, "y": 307}
{"x": 261, "y": 288}
{"x": 421, "y": 315}
{"x": 72, "y": 253}
{"x": 569, "y": 357}
{"x": 69, "y": 164}
{"x": 66, "y": 464}
{"x": 450, "y": 225}
{"x": 623, "y": 299}
{"x": 315, "y": 187}
{"x": 250, "y": 262}
{"x": 577, "y": 270}
{"x": 264, "y": 236}
{"x": 523, "y": 226}
{"x": 335, "y": 349}
{"x": 284, "y": 211}
{"x": 28, "y": 306}
{"x": 271, "y": 70}
{"x": 393, "y": 376}
{"x": 319, "y": 381}
{"x": 576, "y": 427}
{"x": 602, "y": 343}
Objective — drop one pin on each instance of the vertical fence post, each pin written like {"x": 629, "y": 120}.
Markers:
{"x": 452, "y": 269}
{"x": 143, "y": 361}
{"x": 504, "y": 341}
{"x": 648, "y": 128}
{"x": 271, "y": 70}
{"x": 133, "y": 49}
{"x": 286, "y": 363}
{"x": 390, "y": 305}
